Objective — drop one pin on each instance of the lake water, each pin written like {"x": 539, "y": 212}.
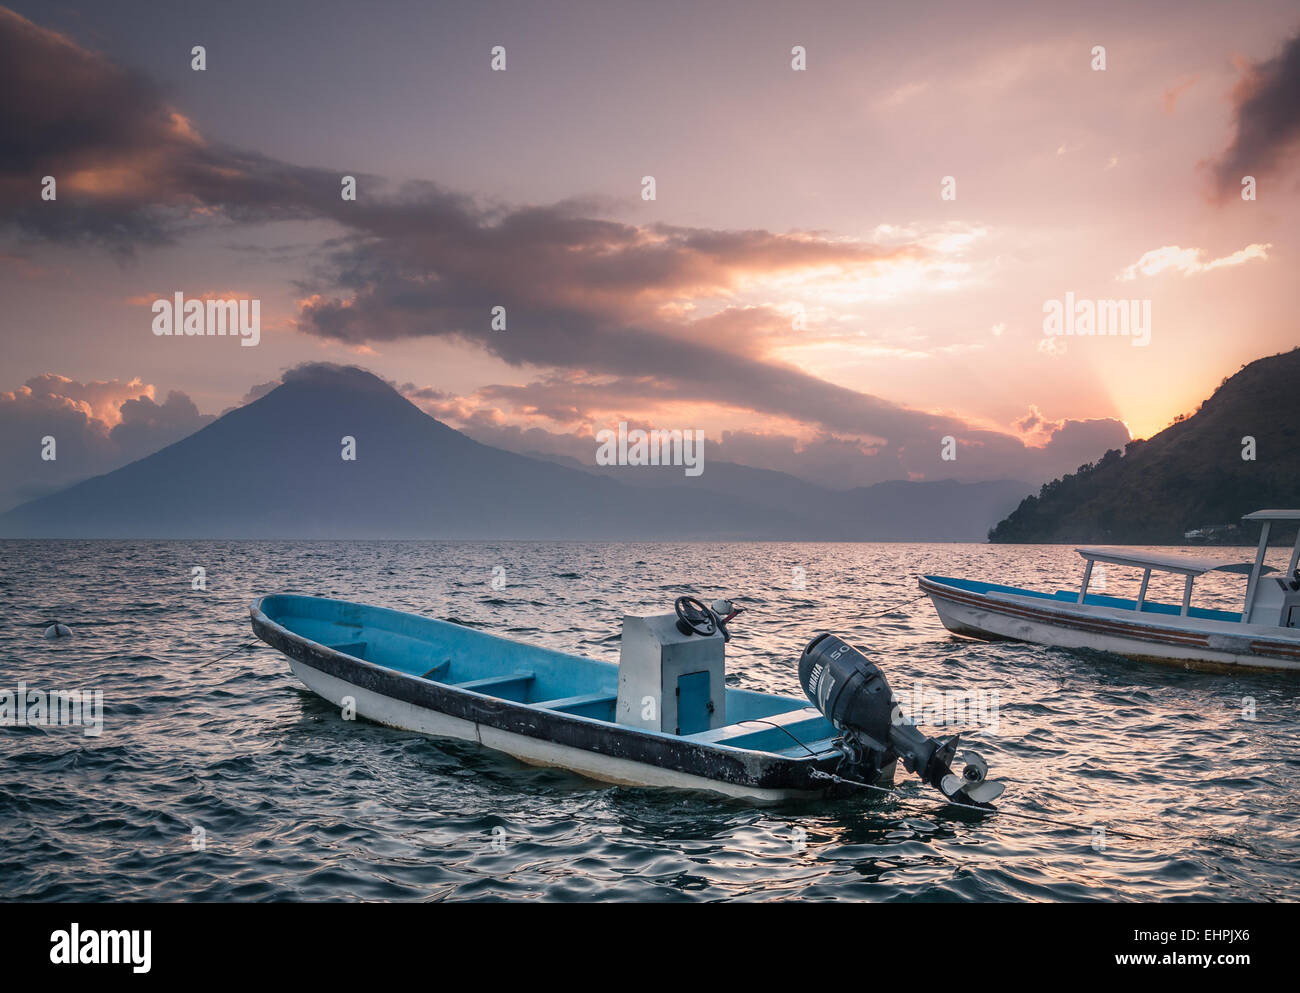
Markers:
{"x": 226, "y": 780}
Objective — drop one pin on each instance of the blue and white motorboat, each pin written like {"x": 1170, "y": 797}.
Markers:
{"x": 1265, "y": 634}
{"x": 663, "y": 716}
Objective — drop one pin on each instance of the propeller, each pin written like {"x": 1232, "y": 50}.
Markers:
{"x": 973, "y": 781}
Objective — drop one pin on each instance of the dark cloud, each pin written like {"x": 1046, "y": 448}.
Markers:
{"x": 583, "y": 291}
{"x": 438, "y": 265}
{"x": 424, "y": 393}
{"x": 585, "y": 295}
{"x": 493, "y": 416}
{"x": 69, "y": 107}
{"x": 1267, "y": 114}
{"x": 595, "y": 299}
{"x": 129, "y": 168}
{"x": 1032, "y": 421}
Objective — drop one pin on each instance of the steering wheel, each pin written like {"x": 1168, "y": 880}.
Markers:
{"x": 694, "y": 618}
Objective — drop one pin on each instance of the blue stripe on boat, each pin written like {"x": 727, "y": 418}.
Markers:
{"x": 1092, "y": 599}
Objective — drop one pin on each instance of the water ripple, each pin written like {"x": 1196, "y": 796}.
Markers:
{"x": 226, "y": 780}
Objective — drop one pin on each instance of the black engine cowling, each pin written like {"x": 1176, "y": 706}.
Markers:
{"x": 854, "y": 695}
{"x": 847, "y": 687}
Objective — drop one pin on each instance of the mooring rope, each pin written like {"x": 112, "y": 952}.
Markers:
{"x": 785, "y": 731}
{"x": 250, "y": 644}
{"x": 160, "y": 658}
{"x": 901, "y": 797}
{"x": 919, "y": 596}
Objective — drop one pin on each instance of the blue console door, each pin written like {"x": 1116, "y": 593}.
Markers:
{"x": 694, "y": 706}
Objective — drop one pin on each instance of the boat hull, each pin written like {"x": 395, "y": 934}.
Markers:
{"x": 1209, "y": 646}
{"x": 533, "y": 751}
{"x": 600, "y": 750}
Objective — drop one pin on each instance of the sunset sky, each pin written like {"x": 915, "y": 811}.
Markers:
{"x": 798, "y": 289}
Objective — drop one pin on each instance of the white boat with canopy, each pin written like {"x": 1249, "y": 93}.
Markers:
{"x": 1264, "y": 634}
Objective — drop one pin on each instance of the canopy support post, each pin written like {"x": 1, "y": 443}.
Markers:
{"x": 1087, "y": 576}
{"x": 1187, "y": 595}
{"x": 1256, "y": 570}
{"x": 1142, "y": 593}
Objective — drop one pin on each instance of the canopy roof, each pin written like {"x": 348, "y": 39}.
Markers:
{"x": 1186, "y": 565}
{"x": 1273, "y": 515}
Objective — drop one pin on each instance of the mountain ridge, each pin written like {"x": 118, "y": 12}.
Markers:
{"x": 1189, "y": 475}
{"x": 273, "y": 468}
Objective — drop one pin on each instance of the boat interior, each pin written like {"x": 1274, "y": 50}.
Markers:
{"x": 460, "y": 657}
{"x": 1092, "y": 599}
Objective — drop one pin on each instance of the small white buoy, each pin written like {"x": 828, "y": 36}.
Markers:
{"x": 57, "y": 630}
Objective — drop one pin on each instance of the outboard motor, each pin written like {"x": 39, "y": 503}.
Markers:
{"x": 853, "y": 694}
